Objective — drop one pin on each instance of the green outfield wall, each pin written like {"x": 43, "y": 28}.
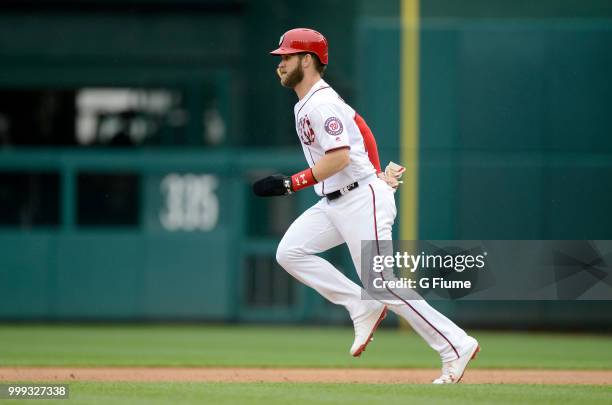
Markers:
{"x": 501, "y": 112}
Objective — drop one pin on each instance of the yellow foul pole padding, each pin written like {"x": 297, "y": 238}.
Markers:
{"x": 409, "y": 123}
{"x": 409, "y": 119}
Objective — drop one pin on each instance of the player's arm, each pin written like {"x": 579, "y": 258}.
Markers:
{"x": 332, "y": 137}
{"x": 393, "y": 172}
{"x": 334, "y": 161}
{"x": 369, "y": 142}
{"x": 330, "y": 164}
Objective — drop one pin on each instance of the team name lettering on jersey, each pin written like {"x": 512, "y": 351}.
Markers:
{"x": 305, "y": 131}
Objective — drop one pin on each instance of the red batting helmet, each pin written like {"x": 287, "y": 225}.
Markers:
{"x": 300, "y": 40}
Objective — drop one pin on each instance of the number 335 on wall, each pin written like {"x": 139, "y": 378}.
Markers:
{"x": 190, "y": 202}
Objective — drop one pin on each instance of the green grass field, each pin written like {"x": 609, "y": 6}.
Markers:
{"x": 358, "y": 394}
{"x": 245, "y": 346}
{"x": 270, "y": 346}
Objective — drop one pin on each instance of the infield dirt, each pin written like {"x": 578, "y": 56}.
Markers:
{"x": 311, "y": 375}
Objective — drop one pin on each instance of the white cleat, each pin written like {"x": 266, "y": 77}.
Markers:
{"x": 365, "y": 328}
{"x": 452, "y": 371}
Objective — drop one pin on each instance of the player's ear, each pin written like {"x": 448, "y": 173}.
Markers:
{"x": 306, "y": 60}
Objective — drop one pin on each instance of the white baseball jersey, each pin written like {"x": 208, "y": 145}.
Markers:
{"x": 324, "y": 122}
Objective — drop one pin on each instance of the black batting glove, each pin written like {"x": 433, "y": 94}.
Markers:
{"x": 275, "y": 185}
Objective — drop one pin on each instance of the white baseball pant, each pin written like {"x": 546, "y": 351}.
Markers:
{"x": 365, "y": 213}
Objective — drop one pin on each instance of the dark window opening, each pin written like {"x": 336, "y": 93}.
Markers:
{"x": 29, "y": 199}
{"x": 267, "y": 284}
{"x": 108, "y": 199}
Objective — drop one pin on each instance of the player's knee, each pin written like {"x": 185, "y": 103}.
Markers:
{"x": 282, "y": 256}
{"x": 286, "y": 254}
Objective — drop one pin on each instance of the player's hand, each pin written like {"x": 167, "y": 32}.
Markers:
{"x": 275, "y": 185}
{"x": 395, "y": 171}
{"x": 391, "y": 181}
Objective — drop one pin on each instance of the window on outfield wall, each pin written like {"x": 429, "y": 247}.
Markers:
{"x": 267, "y": 284}
{"x": 29, "y": 199}
{"x": 108, "y": 199}
{"x": 112, "y": 117}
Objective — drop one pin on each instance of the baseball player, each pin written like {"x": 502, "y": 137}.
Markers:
{"x": 357, "y": 203}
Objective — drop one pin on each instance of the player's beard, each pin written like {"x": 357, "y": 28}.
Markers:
{"x": 294, "y": 77}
